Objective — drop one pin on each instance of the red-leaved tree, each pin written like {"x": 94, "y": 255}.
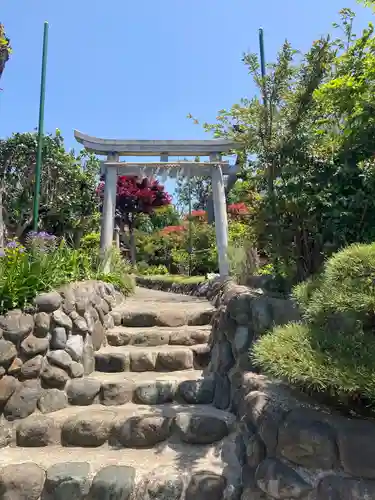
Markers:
{"x": 135, "y": 196}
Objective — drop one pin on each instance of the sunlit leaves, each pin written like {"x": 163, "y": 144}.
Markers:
{"x": 68, "y": 184}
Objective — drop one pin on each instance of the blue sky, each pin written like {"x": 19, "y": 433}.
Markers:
{"x": 135, "y": 69}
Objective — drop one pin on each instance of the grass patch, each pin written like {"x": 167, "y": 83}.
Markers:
{"x": 176, "y": 278}
{"x": 333, "y": 349}
{"x": 44, "y": 264}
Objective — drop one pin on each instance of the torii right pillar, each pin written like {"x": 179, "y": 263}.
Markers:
{"x": 221, "y": 219}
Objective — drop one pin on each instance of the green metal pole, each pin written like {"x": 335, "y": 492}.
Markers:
{"x": 262, "y": 60}
{"x": 262, "y": 57}
{"x": 38, "y": 168}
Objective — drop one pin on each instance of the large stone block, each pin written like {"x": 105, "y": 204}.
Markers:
{"x": 32, "y": 346}
{"x": 161, "y": 486}
{"x": 334, "y": 487}
{"x": 156, "y": 392}
{"x": 8, "y": 353}
{"x": 23, "y": 401}
{"x": 82, "y": 391}
{"x": 37, "y": 431}
{"x": 52, "y": 400}
{"x": 201, "y": 429}
{"x": 116, "y": 393}
{"x": 175, "y": 360}
{"x": 53, "y": 376}
{"x": 306, "y": 439}
{"x": 356, "y": 441}
{"x": 48, "y": 302}
{"x": 280, "y": 481}
{"x": 143, "y": 431}
{"x": 114, "y": 482}
{"x": 199, "y": 391}
{"x": 21, "y": 482}
{"x": 68, "y": 481}
{"x": 16, "y": 326}
{"x": 206, "y": 485}
{"x": 87, "y": 429}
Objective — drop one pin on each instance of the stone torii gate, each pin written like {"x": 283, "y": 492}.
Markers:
{"x": 215, "y": 168}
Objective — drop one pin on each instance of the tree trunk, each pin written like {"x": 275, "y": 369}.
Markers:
{"x": 78, "y": 233}
{"x": 117, "y": 237}
{"x": 129, "y": 220}
{"x": 133, "y": 256}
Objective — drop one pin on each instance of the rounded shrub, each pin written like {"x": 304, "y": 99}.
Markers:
{"x": 333, "y": 348}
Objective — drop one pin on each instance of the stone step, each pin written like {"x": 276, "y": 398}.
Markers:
{"x": 111, "y": 389}
{"x": 174, "y": 471}
{"x": 162, "y": 358}
{"x": 127, "y": 426}
{"x": 185, "y": 386}
{"x": 156, "y": 335}
{"x": 148, "y": 314}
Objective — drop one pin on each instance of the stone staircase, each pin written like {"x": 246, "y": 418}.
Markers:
{"x": 140, "y": 427}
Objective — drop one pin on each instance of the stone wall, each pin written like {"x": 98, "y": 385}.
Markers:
{"x": 76, "y": 480}
{"x": 45, "y": 347}
{"x": 291, "y": 447}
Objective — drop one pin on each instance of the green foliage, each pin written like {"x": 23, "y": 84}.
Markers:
{"x": 243, "y": 262}
{"x": 368, "y": 3}
{"x": 171, "y": 249}
{"x": 120, "y": 271}
{"x": 68, "y": 201}
{"x": 144, "y": 269}
{"x": 333, "y": 349}
{"x": 5, "y": 49}
{"x": 90, "y": 241}
{"x": 303, "y": 291}
{"x": 158, "y": 219}
{"x": 178, "y": 278}
{"x": 25, "y": 272}
{"x": 198, "y": 187}
{"x": 308, "y": 136}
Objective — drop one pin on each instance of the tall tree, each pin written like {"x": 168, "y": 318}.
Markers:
{"x": 5, "y": 49}
{"x": 198, "y": 188}
{"x": 68, "y": 203}
{"x": 317, "y": 125}
{"x": 136, "y": 196}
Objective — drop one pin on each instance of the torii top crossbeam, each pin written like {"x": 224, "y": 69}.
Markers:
{"x": 155, "y": 148}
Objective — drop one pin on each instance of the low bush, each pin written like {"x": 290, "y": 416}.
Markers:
{"x": 45, "y": 263}
{"x": 90, "y": 241}
{"x": 177, "y": 278}
{"x": 145, "y": 270}
{"x": 170, "y": 247}
{"x": 333, "y": 348}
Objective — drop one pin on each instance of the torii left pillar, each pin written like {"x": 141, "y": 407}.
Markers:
{"x": 109, "y": 210}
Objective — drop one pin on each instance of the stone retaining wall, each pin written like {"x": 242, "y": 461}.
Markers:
{"x": 78, "y": 480}
{"x": 195, "y": 289}
{"x": 292, "y": 448}
{"x": 46, "y": 346}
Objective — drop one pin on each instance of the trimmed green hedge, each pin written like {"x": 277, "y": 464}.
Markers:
{"x": 333, "y": 349}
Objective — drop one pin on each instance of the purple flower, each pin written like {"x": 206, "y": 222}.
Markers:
{"x": 2, "y": 252}
{"x": 12, "y": 244}
{"x": 41, "y": 241}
